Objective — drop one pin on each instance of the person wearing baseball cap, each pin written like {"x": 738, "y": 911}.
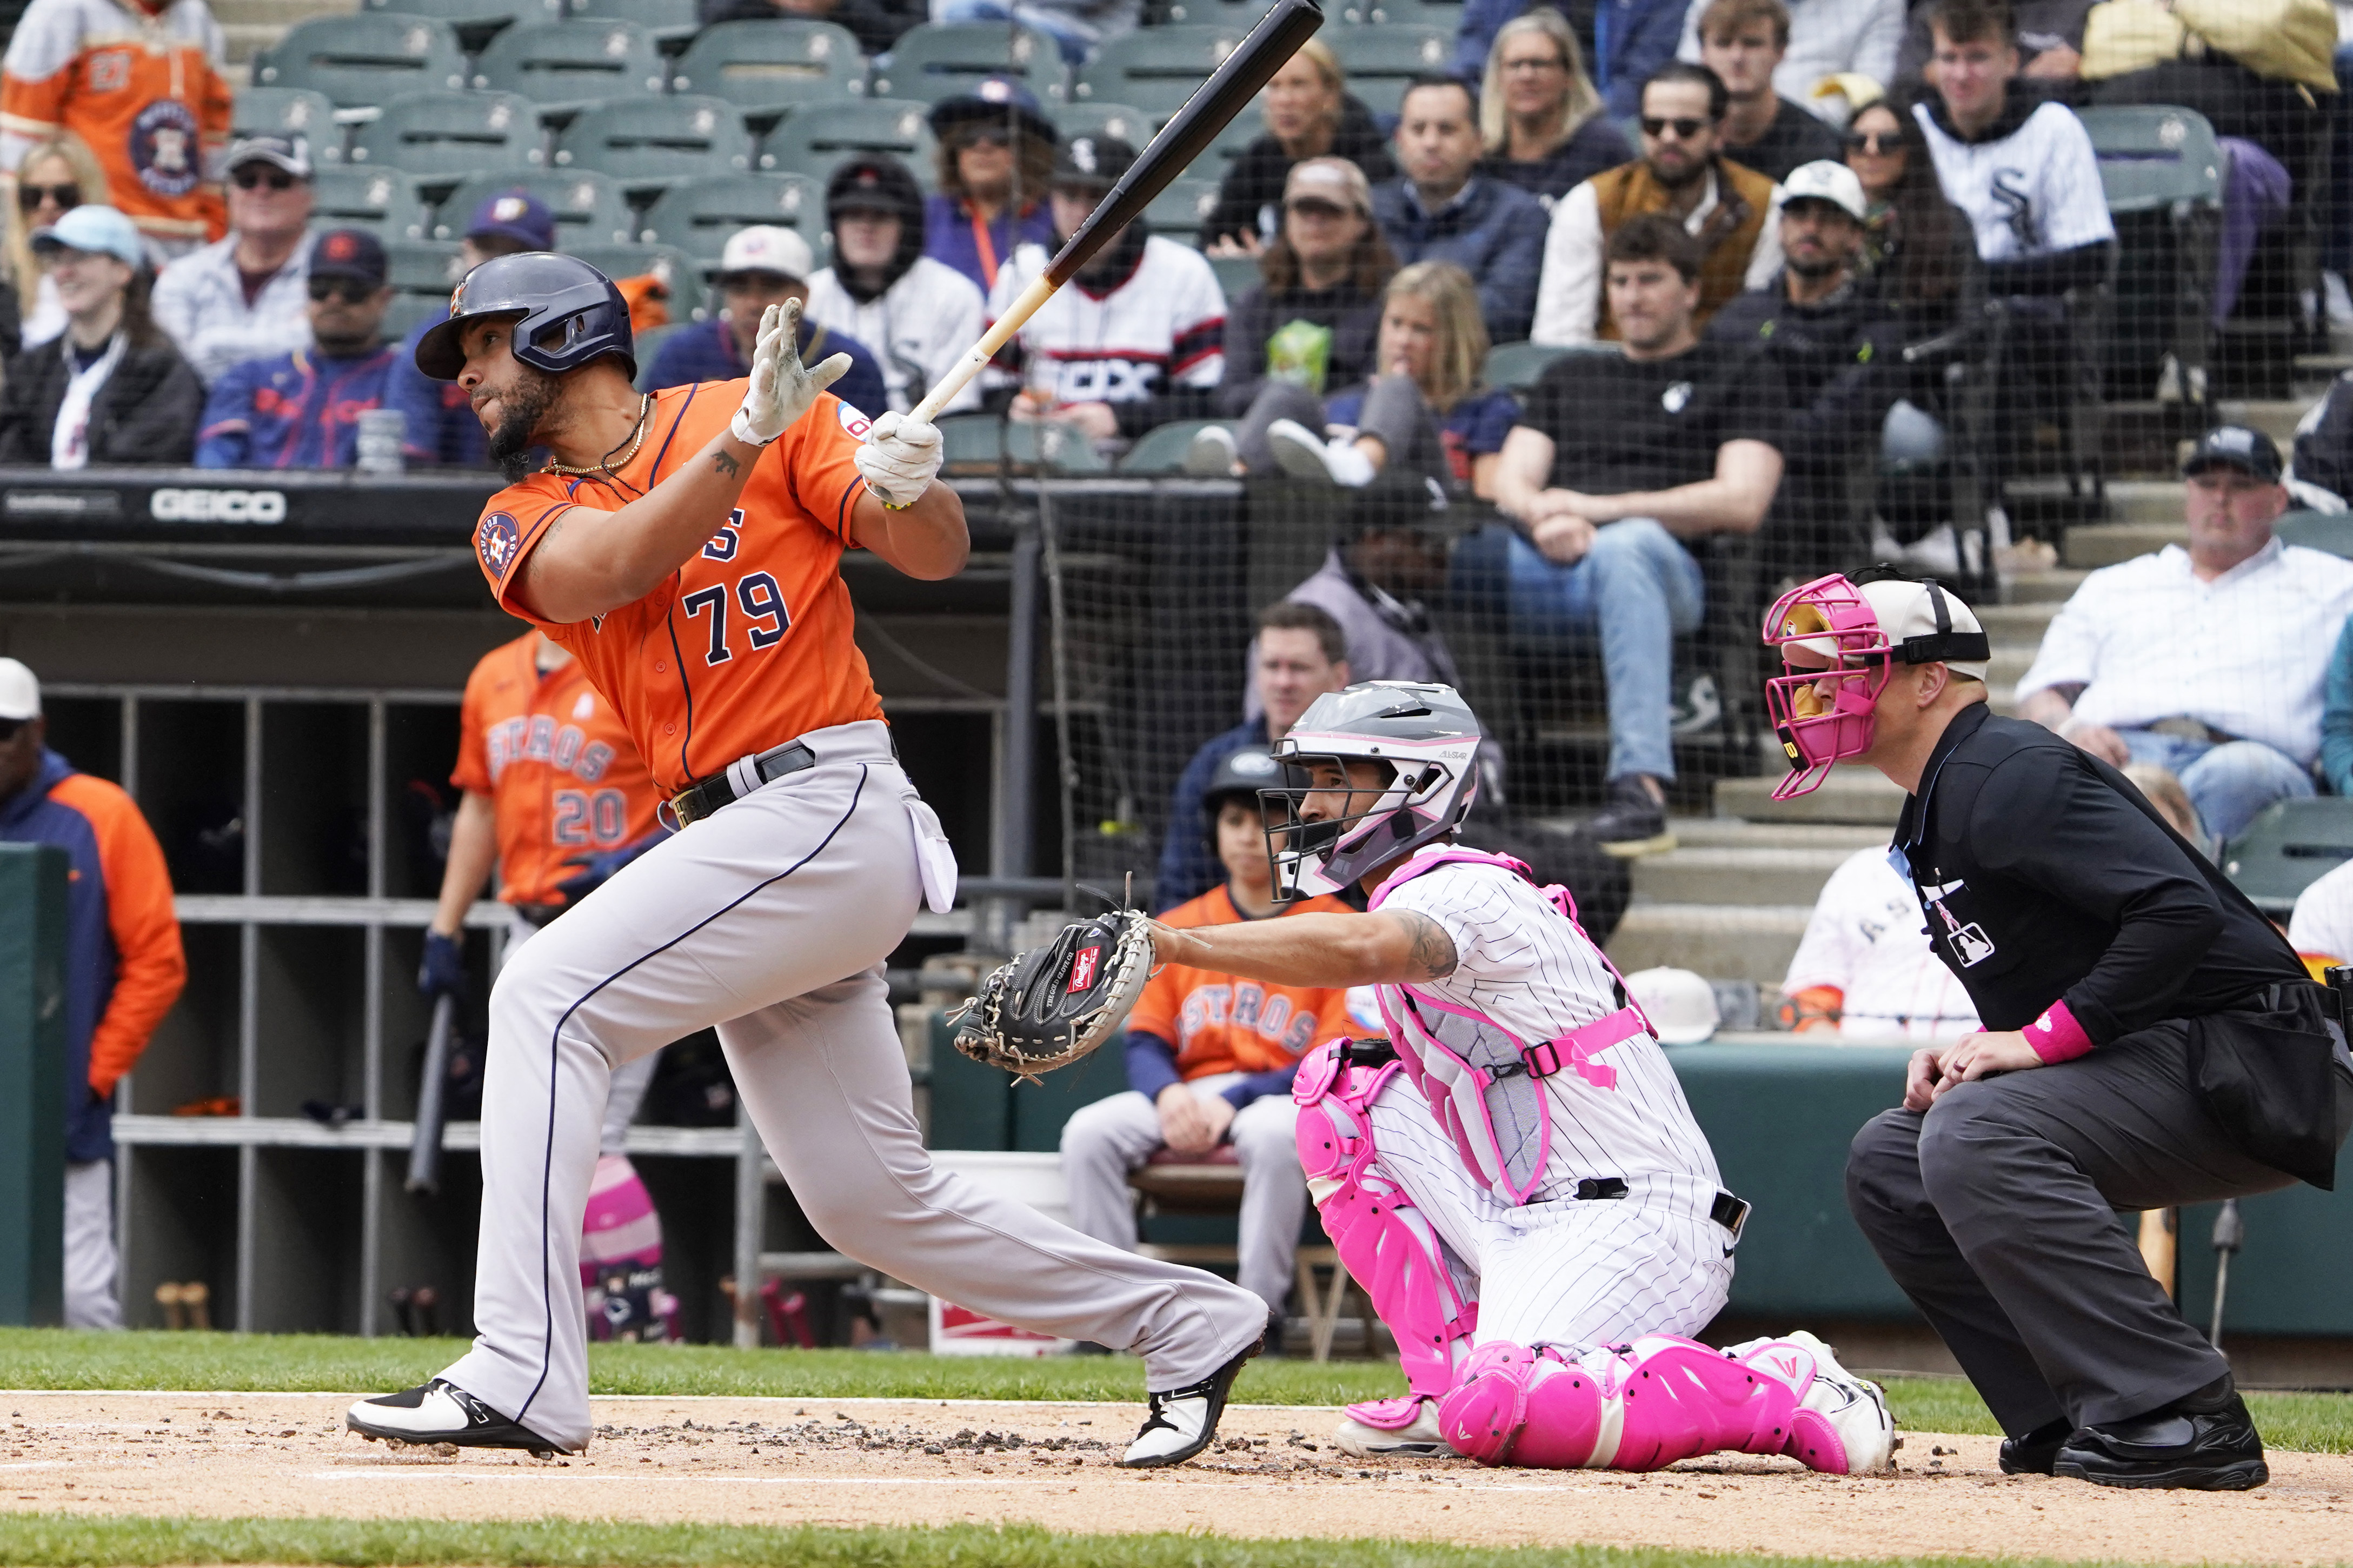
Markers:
{"x": 123, "y": 967}
{"x": 246, "y": 296}
{"x": 111, "y": 388}
{"x": 921, "y": 316}
{"x": 995, "y": 160}
{"x": 2149, "y": 1040}
{"x": 763, "y": 265}
{"x": 301, "y": 410}
{"x": 437, "y": 423}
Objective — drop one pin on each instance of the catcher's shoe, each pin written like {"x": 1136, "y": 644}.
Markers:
{"x": 1843, "y": 1425}
{"x": 1184, "y": 1421}
{"x": 1418, "y": 1438}
{"x": 439, "y": 1412}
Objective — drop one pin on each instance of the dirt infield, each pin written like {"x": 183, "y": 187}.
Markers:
{"x": 855, "y": 1462}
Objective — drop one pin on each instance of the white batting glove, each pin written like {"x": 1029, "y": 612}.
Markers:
{"x": 782, "y": 388}
{"x": 900, "y": 459}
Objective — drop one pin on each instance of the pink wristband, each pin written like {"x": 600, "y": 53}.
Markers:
{"x": 2056, "y": 1037}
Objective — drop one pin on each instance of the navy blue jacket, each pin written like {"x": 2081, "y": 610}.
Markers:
{"x": 1494, "y": 231}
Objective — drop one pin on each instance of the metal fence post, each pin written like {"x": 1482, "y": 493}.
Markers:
{"x": 32, "y": 1083}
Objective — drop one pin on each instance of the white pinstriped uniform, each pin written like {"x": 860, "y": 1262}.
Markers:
{"x": 1558, "y": 1270}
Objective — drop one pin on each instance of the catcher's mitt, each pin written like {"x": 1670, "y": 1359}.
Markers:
{"x": 1049, "y": 1007}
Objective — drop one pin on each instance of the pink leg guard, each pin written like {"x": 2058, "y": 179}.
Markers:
{"x": 621, "y": 1256}
{"x": 1387, "y": 1245}
{"x": 1654, "y": 1402}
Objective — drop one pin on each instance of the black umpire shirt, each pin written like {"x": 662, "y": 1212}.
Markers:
{"x": 2045, "y": 875}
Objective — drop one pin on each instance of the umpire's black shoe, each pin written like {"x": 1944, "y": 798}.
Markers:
{"x": 1184, "y": 1421}
{"x": 2204, "y": 1441}
{"x": 438, "y": 1412}
{"x": 2032, "y": 1453}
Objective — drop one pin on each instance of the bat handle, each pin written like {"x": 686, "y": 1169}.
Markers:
{"x": 996, "y": 338}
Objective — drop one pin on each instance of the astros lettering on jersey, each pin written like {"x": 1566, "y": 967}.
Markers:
{"x": 749, "y": 643}
{"x": 556, "y": 762}
{"x": 1222, "y": 1023}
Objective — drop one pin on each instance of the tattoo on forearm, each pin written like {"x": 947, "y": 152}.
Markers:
{"x": 725, "y": 463}
{"x": 1432, "y": 950}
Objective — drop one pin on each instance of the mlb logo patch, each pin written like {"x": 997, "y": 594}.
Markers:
{"x": 1082, "y": 970}
{"x": 496, "y": 541}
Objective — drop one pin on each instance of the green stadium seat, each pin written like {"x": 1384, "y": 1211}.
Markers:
{"x": 287, "y": 111}
{"x": 697, "y": 215}
{"x": 2155, "y": 157}
{"x": 423, "y": 265}
{"x": 2332, "y": 532}
{"x": 647, "y": 344}
{"x": 576, "y": 60}
{"x": 772, "y": 64}
{"x": 971, "y": 444}
{"x": 1436, "y": 13}
{"x": 1178, "y": 212}
{"x": 2290, "y": 845}
{"x": 1513, "y": 366}
{"x": 1381, "y": 61}
{"x": 382, "y": 200}
{"x": 364, "y": 60}
{"x": 645, "y": 141}
{"x": 671, "y": 22}
{"x": 406, "y": 311}
{"x": 813, "y": 143}
{"x": 1130, "y": 124}
{"x": 430, "y": 133}
{"x": 476, "y": 22}
{"x": 677, "y": 271}
{"x": 1238, "y": 14}
{"x": 1156, "y": 69}
{"x": 943, "y": 61}
{"x": 1163, "y": 447}
{"x": 589, "y": 208}
{"x": 1237, "y": 275}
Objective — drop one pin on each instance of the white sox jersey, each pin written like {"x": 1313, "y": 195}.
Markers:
{"x": 1162, "y": 326}
{"x": 1865, "y": 938}
{"x": 2034, "y": 190}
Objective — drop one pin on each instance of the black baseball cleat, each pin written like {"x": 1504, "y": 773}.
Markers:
{"x": 1184, "y": 1421}
{"x": 2204, "y": 1441}
{"x": 2030, "y": 1453}
{"x": 438, "y": 1412}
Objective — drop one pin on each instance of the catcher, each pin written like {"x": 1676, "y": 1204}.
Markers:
{"x": 1514, "y": 1174}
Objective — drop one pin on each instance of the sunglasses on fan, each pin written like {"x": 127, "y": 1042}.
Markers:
{"x": 68, "y": 196}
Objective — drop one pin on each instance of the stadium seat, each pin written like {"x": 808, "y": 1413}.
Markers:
{"x": 697, "y": 215}
{"x": 401, "y": 317}
{"x": 772, "y": 64}
{"x": 476, "y": 22}
{"x": 974, "y": 444}
{"x": 1156, "y": 69}
{"x": 936, "y": 61}
{"x": 665, "y": 19}
{"x": 2161, "y": 169}
{"x": 1177, "y": 212}
{"x": 1243, "y": 15}
{"x": 366, "y": 59}
{"x": 1237, "y": 275}
{"x": 576, "y": 60}
{"x": 647, "y": 344}
{"x": 287, "y": 111}
{"x": 2332, "y": 532}
{"x": 2290, "y": 845}
{"x": 1162, "y": 449}
{"x": 679, "y": 272}
{"x": 1130, "y": 124}
{"x": 812, "y": 143}
{"x": 430, "y": 133}
{"x": 647, "y": 141}
{"x": 1381, "y": 61}
{"x": 382, "y": 200}
{"x": 423, "y": 265}
{"x": 588, "y": 205}
{"x": 1436, "y": 13}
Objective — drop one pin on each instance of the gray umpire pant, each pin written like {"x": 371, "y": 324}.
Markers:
{"x": 1995, "y": 1210}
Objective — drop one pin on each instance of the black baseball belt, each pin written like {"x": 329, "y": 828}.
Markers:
{"x": 732, "y": 784}
{"x": 1727, "y": 1211}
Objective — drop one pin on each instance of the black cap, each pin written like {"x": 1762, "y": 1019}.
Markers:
{"x": 2251, "y": 451}
{"x": 1247, "y": 771}
{"x": 1094, "y": 161}
{"x": 350, "y": 253}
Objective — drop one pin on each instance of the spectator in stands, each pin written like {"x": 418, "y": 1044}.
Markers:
{"x": 437, "y": 423}
{"x": 2207, "y": 660}
{"x": 111, "y": 388}
{"x": 1864, "y": 971}
{"x": 996, "y": 166}
{"x": 1391, "y": 554}
{"x": 1839, "y": 351}
{"x": 760, "y": 267}
{"x": 2050, "y": 42}
{"x": 1541, "y": 118}
{"x": 1440, "y": 210}
{"x": 2336, "y": 718}
{"x": 874, "y": 23}
{"x": 1211, "y": 1056}
{"x": 1314, "y": 320}
{"x": 1302, "y": 654}
{"x": 1824, "y": 40}
{"x": 1309, "y": 114}
{"x": 1138, "y": 338}
{"x": 123, "y": 969}
{"x": 1616, "y": 463}
{"x": 1743, "y": 41}
{"x": 1425, "y": 412}
{"x": 2320, "y": 928}
{"x": 1625, "y": 41}
{"x": 2321, "y": 474}
{"x": 920, "y": 315}
{"x": 140, "y": 83}
{"x": 1078, "y": 26}
{"x": 301, "y": 410}
{"x": 54, "y": 178}
{"x": 244, "y": 297}
{"x": 1726, "y": 208}
{"x": 1918, "y": 251}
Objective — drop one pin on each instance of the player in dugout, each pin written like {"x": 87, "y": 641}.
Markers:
{"x": 555, "y": 796}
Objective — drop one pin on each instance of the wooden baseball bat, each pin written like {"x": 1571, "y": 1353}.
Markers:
{"x": 1210, "y": 110}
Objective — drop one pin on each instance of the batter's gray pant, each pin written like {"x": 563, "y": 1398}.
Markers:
{"x": 631, "y": 1081}
{"x": 1103, "y": 1141}
{"x": 1995, "y": 1210}
{"x": 89, "y": 1245}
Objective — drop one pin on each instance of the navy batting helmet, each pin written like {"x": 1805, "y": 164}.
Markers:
{"x": 567, "y": 313}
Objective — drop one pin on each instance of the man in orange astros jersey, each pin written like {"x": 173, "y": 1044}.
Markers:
{"x": 554, "y": 795}
{"x": 685, "y": 547}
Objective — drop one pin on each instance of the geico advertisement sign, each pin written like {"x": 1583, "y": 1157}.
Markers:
{"x": 217, "y": 506}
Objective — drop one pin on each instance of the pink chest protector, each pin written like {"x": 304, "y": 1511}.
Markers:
{"x": 1482, "y": 1081}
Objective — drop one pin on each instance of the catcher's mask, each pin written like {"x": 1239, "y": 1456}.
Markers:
{"x": 1426, "y": 738}
{"x": 1837, "y": 638}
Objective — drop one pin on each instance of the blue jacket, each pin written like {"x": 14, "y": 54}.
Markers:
{"x": 299, "y": 410}
{"x": 1631, "y": 40}
{"x": 707, "y": 353}
{"x": 949, "y": 238}
{"x": 2337, "y": 716}
{"x": 1494, "y": 231}
{"x": 123, "y": 964}
{"x": 440, "y": 423}
{"x": 1188, "y": 866}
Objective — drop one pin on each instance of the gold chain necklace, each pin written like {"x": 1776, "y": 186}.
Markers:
{"x": 645, "y": 407}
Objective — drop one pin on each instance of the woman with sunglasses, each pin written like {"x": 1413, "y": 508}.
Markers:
{"x": 1539, "y": 114}
{"x": 1314, "y": 319}
{"x": 248, "y": 295}
{"x": 110, "y": 388}
{"x": 1308, "y": 114}
{"x": 996, "y": 167}
{"x": 53, "y": 178}
{"x": 1916, "y": 245}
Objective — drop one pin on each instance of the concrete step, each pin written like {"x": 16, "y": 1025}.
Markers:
{"x": 1730, "y": 833}
{"x": 2276, "y": 419}
{"x": 1721, "y": 941}
{"x": 2145, "y": 500}
{"x": 2053, "y": 588}
{"x": 2018, "y": 623}
{"x": 1857, "y": 796}
{"x": 2106, "y": 543}
{"x": 1750, "y": 874}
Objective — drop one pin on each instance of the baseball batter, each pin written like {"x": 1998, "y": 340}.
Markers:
{"x": 1513, "y": 1173}
{"x": 685, "y": 547}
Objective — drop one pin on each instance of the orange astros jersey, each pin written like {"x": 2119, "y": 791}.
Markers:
{"x": 748, "y": 644}
{"x": 1222, "y": 1023}
{"x": 558, "y": 762}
